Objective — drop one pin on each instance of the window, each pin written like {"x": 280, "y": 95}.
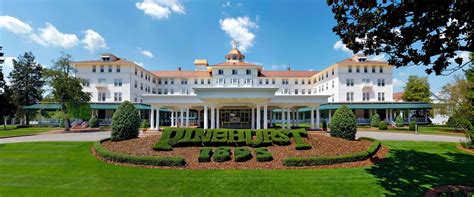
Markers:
{"x": 117, "y": 69}
{"x": 195, "y": 81}
{"x": 117, "y": 96}
{"x": 94, "y": 68}
{"x": 136, "y": 71}
{"x": 349, "y": 96}
{"x": 166, "y": 91}
{"x": 154, "y": 80}
{"x": 296, "y": 91}
{"x": 248, "y": 81}
{"x": 273, "y": 81}
{"x": 327, "y": 75}
{"x": 234, "y": 72}
{"x": 159, "y": 91}
{"x": 248, "y": 71}
{"x": 101, "y": 81}
{"x": 101, "y": 96}
{"x": 381, "y": 69}
{"x": 365, "y": 69}
{"x": 141, "y": 86}
{"x": 327, "y": 86}
{"x": 202, "y": 81}
{"x": 221, "y": 81}
{"x": 303, "y": 91}
{"x": 135, "y": 98}
{"x": 332, "y": 72}
{"x": 309, "y": 81}
{"x": 373, "y": 69}
{"x": 267, "y": 81}
{"x": 208, "y": 81}
{"x": 234, "y": 81}
{"x": 117, "y": 82}
{"x": 285, "y": 91}
{"x": 141, "y": 73}
{"x": 332, "y": 84}
{"x": 110, "y": 68}
{"x": 284, "y": 81}
{"x": 220, "y": 72}
{"x": 184, "y": 81}
{"x": 183, "y": 91}
{"x": 166, "y": 81}
{"x": 365, "y": 96}
{"x": 171, "y": 91}
{"x": 260, "y": 81}
{"x": 350, "y": 69}
{"x": 349, "y": 82}
{"x": 296, "y": 81}
{"x": 302, "y": 81}
{"x": 153, "y": 90}
{"x": 381, "y": 96}
{"x": 102, "y": 69}
{"x": 86, "y": 82}
{"x": 159, "y": 81}
{"x": 381, "y": 82}
{"x": 171, "y": 81}
{"x": 365, "y": 80}
{"x": 357, "y": 69}
{"x": 136, "y": 84}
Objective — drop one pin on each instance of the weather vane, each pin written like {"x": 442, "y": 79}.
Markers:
{"x": 234, "y": 44}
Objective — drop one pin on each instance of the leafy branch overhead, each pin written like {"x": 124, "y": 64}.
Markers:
{"x": 428, "y": 33}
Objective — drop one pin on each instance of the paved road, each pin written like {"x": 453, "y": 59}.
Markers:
{"x": 94, "y": 136}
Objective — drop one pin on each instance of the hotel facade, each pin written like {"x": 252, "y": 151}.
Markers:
{"x": 239, "y": 94}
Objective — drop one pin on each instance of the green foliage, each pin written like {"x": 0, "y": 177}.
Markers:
{"x": 145, "y": 124}
{"x": 343, "y": 124}
{"x": 299, "y": 142}
{"x": 242, "y": 154}
{"x": 399, "y": 121}
{"x": 140, "y": 160}
{"x": 280, "y": 138}
{"x": 417, "y": 89}
{"x": 383, "y": 125}
{"x": 236, "y": 137}
{"x": 328, "y": 160}
{"x": 125, "y": 122}
{"x": 408, "y": 32}
{"x": 469, "y": 141}
{"x": 80, "y": 111}
{"x": 263, "y": 155}
{"x": 375, "y": 120}
{"x": 412, "y": 125}
{"x": 221, "y": 154}
{"x": 258, "y": 138}
{"x": 459, "y": 122}
{"x": 93, "y": 122}
{"x": 325, "y": 125}
{"x": 205, "y": 154}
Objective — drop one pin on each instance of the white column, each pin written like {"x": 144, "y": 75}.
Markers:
{"x": 213, "y": 117}
{"x": 312, "y": 118}
{"x": 172, "y": 118}
{"x": 426, "y": 115}
{"x": 205, "y": 117}
{"x": 283, "y": 118}
{"x": 258, "y": 117}
{"x": 157, "y": 125}
{"x": 271, "y": 117}
{"x": 199, "y": 118}
{"x": 181, "y": 117}
{"x": 409, "y": 114}
{"x": 289, "y": 118}
{"x": 386, "y": 115}
{"x": 152, "y": 118}
{"x": 218, "y": 121}
{"x": 253, "y": 118}
{"x": 265, "y": 117}
{"x": 318, "y": 118}
{"x": 329, "y": 121}
{"x": 187, "y": 117}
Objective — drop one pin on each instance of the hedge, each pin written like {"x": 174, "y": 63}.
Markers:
{"x": 205, "y": 154}
{"x": 242, "y": 154}
{"x": 299, "y": 142}
{"x": 263, "y": 155}
{"x": 412, "y": 125}
{"x": 140, "y": 160}
{"x": 383, "y": 125}
{"x": 315, "y": 161}
{"x": 221, "y": 154}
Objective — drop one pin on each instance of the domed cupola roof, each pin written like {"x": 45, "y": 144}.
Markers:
{"x": 234, "y": 54}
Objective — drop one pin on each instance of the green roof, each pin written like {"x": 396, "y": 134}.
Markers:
{"x": 110, "y": 106}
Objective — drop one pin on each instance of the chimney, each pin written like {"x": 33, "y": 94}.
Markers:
{"x": 288, "y": 68}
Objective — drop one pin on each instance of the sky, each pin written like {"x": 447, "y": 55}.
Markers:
{"x": 166, "y": 34}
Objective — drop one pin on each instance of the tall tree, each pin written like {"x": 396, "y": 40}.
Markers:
{"x": 6, "y": 105}
{"x": 421, "y": 32}
{"x": 26, "y": 83}
{"x": 417, "y": 89}
{"x": 67, "y": 89}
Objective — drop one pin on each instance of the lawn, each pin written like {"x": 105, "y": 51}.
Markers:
{"x": 13, "y": 131}
{"x": 422, "y": 129}
{"x": 59, "y": 168}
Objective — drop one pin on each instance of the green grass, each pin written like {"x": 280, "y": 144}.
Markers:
{"x": 59, "y": 168}
{"x": 422, "y": 129}
{"x": 13, "y": 131}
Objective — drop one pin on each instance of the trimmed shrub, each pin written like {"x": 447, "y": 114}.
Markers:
{"x": 219, "y": 137}
{"x": 145, "y": 124}
{"x": 221, "y": 154}
{"x": 236, "y": 137}
{"x": 242, "y": 154}
{"x": 325, "y": 125}
{"x": 263, "y": 155}
{"x": 412, "y": 125}
{"x": 24, "y": 126}
{"x": 168, "y": 139}
{"x": 399, "y": 121}
{"x": 280, "y": 138}
{"x": 258, "y": 138}
{"x": 315, "y": 161}
{"x": 125, "y": 122}
{"x": 383, "y": 125}
{"x": 205, "y": 154}
{"x": 299, "y": 142}
{"x": 140, "y": 160}
{"x": 93, "y": 122}
{"x": 344, "y": 124}
{"x": 375, "y": 120}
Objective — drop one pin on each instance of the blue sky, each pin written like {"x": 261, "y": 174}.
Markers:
{"x": 165, "y": 34}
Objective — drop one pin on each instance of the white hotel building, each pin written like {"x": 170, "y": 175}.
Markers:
{"x": 238, "y": 94}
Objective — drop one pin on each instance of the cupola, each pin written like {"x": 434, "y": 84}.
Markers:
{"x": 234, "y": 54}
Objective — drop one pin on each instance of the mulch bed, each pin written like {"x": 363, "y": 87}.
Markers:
{"x": 322, "y": 145}
{"x": 459, "y": 189}
{"x": 465, "y": 149}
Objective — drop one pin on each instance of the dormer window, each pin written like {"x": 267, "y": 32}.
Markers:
{"x": 362, "y": 59}
{"x": 106, "y": 59}
{"x": 234, "y": 57}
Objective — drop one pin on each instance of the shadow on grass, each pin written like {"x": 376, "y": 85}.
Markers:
{"x": 412, "y": 173}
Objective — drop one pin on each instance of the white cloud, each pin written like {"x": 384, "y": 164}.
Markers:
{"x": 93, "y": 41}
{"x": 398, "y": 82}
{"x": 146, "y": 53}
{"x": 342, "y": 47}
{"x": 238, "y": 29}
{"x": 228, "y": 4}
{"x": 50, "y": 36}
{"x": 7, "y": 67}
{"x": 139, "y": 63}
{"x": 15, "y": 25}
{"x": 160, "y": 9}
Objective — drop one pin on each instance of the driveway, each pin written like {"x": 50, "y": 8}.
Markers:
{"x": 94, "y": 136}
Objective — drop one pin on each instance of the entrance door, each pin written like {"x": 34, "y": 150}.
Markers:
{"x": 235, "y": 118}
{"x": 101, "y": 114}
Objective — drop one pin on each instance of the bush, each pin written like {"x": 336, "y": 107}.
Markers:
{"x": 145, "y": 124}
{"x": 242, "y": 154}
{"x": 221, "y": 154}
{"x": 412, "y": 125}
{"x": 344, "y": 124}
{"x": 328, "y": 160}
{"x": 263, "y": 155}
{"x": 205, "y": 154}
{"x": 325, "y": 125}
{"x": 459, "y": 122}
{"x": 236, "y": 137}
{"x": 93, "y": 122}
{"x": 375, "y": 120}
{"x": 299, "y": 142}
{"x": 140, "y": 160}
{"x": 399, "y": 121}
{"x": 168, "y": 139}
{"x": 125, "y": 122}
{"x": 469, "y": 142}
{"x": 383, "y": 125}
{"x": 23, "y": 126}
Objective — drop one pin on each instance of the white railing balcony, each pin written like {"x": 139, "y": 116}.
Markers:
{"x": 101, "y": 85}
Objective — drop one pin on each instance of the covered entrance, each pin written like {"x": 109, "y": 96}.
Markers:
{"x": 236, "y": 118}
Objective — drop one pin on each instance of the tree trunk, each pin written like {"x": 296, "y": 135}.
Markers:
{"x": 65, "y": 119}
{"x": 27, "y": 119}
{"x": 4, "y": 122}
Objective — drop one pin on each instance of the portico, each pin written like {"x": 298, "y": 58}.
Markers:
{"x": 233, "y": 107}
